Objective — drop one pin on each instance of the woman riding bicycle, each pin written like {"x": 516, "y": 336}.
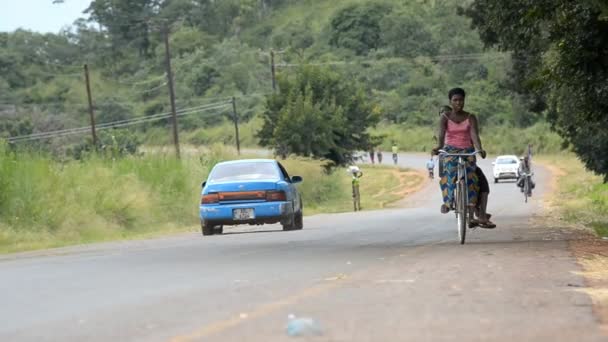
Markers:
{"x": 459, "y": 133}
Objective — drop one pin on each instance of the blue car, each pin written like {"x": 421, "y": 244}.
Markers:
{"x": 250, "y": 191}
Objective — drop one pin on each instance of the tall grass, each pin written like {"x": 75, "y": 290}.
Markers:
{"x": 581, "y": 196}
{"x": 48, "y": 203}
{"x": 225, "y": 133}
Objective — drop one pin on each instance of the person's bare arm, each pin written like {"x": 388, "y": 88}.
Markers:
{"x": 475, "y": 134}
{"x": 443, "y": 125}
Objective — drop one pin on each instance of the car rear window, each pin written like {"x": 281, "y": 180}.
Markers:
{"x": 244, "y": 171}
{"x": 506, "y": 161}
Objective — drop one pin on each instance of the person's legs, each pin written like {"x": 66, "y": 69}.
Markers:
{"x": 484, "y": 192}
{"x": 520, "y": 183}
{"x": 472, "y": 179}
{"x": 446, "y": 182}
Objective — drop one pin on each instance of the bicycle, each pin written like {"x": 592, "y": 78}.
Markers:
{"x": 460, "y": 197}
{"x": 527, "y": 187}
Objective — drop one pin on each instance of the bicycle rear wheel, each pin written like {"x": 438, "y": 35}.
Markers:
{"x": 461, "y": 210}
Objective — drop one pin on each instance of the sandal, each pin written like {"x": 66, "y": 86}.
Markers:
{"x": 487, "y": 225}
{"x": 473, "y": 223}
{"x": 444, "y": 209}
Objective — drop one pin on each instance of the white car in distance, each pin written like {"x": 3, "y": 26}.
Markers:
{"x": 505, "y": 167}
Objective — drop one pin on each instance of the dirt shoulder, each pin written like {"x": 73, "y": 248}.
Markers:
{"x": 591, "y": 252}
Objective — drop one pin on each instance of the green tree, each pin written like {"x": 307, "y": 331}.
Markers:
{"x": 565, "y": 41}
{"x": 357, "y": 27}
{"x": 317, "y": 113}
{"x": 407, "y": 36}
{"x": 127, "y": 21}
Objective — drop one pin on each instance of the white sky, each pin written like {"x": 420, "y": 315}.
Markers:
{"x": 39, "y": 15}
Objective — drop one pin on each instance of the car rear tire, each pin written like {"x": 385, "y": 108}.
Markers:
{"x": 218, "y": 229}
{"x": 290, "y": 224}
{"x": 207, "y": 229}
{"x": 298, "y": 220}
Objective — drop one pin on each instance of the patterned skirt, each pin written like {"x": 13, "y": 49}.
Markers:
{"x": 450, "y": 173}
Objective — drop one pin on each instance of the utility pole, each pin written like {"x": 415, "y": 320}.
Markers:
{"x": 171, "y": 89}
{"x": 272, "y": 71}
{"x": 236, "y": 126}
{"x": 91, "y": 112}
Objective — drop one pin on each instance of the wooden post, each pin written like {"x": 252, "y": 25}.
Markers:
{"x": 272, "y": 71}
{"x": 90, "y": 99}
{"x": 235, "y": 118}
{"x": 171, "y": 90}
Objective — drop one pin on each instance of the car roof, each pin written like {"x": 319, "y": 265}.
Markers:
{"x": 507, "y": 157}
{"x": 238, "y": 161}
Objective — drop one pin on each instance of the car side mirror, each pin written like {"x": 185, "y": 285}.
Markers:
{"x": 203, "y": 185}
{"x": 296, "y": 179}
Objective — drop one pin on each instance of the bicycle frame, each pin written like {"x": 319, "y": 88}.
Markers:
{"x": 460, "y": 209}
{"x": 527, "y": 186}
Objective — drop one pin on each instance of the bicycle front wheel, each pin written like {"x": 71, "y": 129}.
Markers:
{"x": 461, "y": 210}
{"x": 526, "y": 189}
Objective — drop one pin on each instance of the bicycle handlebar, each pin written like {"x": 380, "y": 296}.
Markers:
{"x": 446, "y": 154}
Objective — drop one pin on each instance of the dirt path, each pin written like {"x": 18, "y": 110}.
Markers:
{"x": 410, "y": 181}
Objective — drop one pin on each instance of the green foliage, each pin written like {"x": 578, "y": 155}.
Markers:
{"x": 102, "y": 198}
{"x": 406, "y": 35}
{"x": 45, "y": 203}
{"x": 357, "y": 27}
{"x": 565, "y": 64}
{"x": 495, "y": 139}
{"x": 411, "y": 53}
{"x": 318, "y": 114}
{"x": 113, "y": 144}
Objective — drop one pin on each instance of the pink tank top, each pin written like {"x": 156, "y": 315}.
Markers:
{"x": 458, "y": 134}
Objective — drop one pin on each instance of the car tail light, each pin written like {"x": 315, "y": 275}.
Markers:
{"x": 210, "y": 198}
{"x": 276, "y": 196}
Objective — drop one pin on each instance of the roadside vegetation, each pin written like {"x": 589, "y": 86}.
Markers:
{"x": 49, "y": 203}
{"x": 348, "y": 75}
{"x": 581, "y": 197}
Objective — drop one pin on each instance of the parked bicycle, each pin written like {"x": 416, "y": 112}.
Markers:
{"x": 460, "y": 197}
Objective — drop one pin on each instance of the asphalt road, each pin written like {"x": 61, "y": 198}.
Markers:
{"x": 389, "y": 275}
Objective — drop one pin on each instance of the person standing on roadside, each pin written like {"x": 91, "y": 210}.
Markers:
{"x": 395, "y": 151}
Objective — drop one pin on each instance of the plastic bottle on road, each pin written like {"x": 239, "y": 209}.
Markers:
{"x": 302, "y": 326}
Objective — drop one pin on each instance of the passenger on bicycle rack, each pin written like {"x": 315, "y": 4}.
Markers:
{"x": 459, "y": 133}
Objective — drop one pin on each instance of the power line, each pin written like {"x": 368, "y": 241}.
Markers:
{"x": 59, "y": 65}
{"x": 151, "y": 89}
{"x": 114, "y": 124}
{"x": 55, "y": 74}
{"x": 143, "y": 120}
{"x": 154, "y": 79}
{"x": 228, "y": 98}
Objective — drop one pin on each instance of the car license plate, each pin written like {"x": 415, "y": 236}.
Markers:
{"x": 243, "y": 214}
